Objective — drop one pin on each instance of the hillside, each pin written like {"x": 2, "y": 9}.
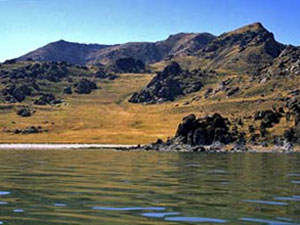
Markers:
{"x": 244, "y": 75}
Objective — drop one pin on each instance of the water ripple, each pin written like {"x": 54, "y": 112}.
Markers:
{"x": 59, "y": 204}
{"x": 195, "y": 219}
{"x": 18, "y": 210}
{"x": 295, "y": 182}
{"x": 128, "y": 208}
{"x": 266, "y": 202}
{"x": 293, "y": 198}
{"x": 270, "y": 222}
{"x": 294, "y": 174}
{"x": 160, "y": 215}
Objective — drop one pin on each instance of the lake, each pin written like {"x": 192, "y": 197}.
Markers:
{"x": 43, "y": 187}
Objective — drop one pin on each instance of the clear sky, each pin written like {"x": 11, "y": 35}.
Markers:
{"x": 28, "y": 24}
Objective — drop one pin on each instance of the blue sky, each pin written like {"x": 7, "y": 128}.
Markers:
{"x": 28, "y": 24}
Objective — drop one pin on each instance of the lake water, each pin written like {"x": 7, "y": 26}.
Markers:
{"x": 105, "y": 187}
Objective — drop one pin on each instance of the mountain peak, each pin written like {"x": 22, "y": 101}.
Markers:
{"x": 254, "y": 27}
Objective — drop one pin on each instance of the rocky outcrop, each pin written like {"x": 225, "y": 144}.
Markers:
{"x": 47, "y": 99}
{"x": 27, "y": 130}
{"x": 193, "y": 134}
{"x": 128, "y": 65}
{"x": 14, "y": 93}
{"x": 68, "y": 90}
{"x": 51, "y": 71}
{"x": 102, "y": 74}
{"x": 24, "y": 112}
{"x": 268, "y": 118}
{"x": 293, "y": 133}
{"x": 286, "y": 64}
{"x": 203, "y": 131}
{"x": 85, "y": 86}
{"x": 172, "y": 82}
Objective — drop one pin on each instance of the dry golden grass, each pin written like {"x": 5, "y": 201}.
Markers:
{"x": 106, "y": 117}
{"x": 101, "y": 117}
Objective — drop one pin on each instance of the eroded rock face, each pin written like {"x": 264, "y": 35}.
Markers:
{"x": 203, "y": 131}
{"x": 287, "y": 63}
{"x": 85, "y": 86}
{"x": 169, "y": 84}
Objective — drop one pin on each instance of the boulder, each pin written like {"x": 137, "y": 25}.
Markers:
{"x": 85, "y": 86}
{"x": 68, "y": 90}
{"x": 203, "y": 131}
{"x": 24, "y": 112}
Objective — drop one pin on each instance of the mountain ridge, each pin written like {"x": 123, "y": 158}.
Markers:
{"x": 248, "y": 48}
{"x": 93, "y": 54}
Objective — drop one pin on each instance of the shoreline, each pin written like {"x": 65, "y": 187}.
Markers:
{"x": 118, "y": 147}
{"x": 63, "y": 146}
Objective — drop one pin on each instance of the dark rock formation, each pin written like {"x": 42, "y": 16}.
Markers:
{"x": 85, "y": 86}
{"x": 287, "y": 63}
{"x": 24, "y": 112}
{"x": 15, "y": 93}
{"x": 128, "y": 65}
{"x": 210, "y": 133}
{"x": 233, "y": 91}
{"x": 102, "y": 74}
{"x": 68, "y": 90}
{"x": 52, "y": 71}
{"x": 268, "y": 118}
{"x": 30, "y": 130}
{"x": 203, "y": 131}
{"x": 170, "y": 83}
{"x": 293, "y": 134}
{"x": 47, "y": 99}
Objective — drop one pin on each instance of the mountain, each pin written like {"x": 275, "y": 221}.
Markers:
{"x": 247, "y": 50}
{"x": 73, "y": 53}
{"x": 93, "y": 54}
{"x": 182, "y": 44}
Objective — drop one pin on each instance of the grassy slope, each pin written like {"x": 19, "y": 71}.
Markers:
{"x": 101, "y": 117}
{"x": 105, "y": 116}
